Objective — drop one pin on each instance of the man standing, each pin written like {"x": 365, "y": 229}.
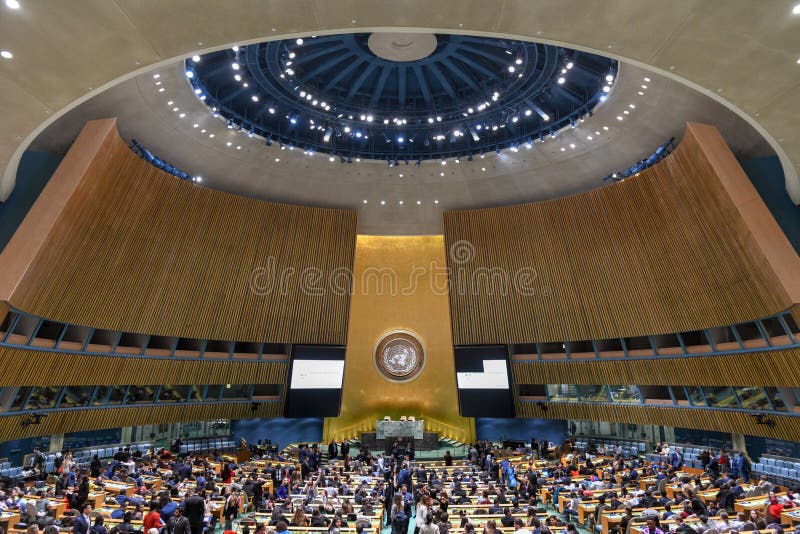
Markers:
{"x": 744, "y": 467}
{"x": 178, "y": 524}
{"x": 82, "y": 522}
{"x": 195, "y": 510}
{"x": 333, "y": 450}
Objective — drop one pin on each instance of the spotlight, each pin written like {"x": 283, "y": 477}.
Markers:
{"x": 400, "y": 139}
{"x": 189, "y": 74}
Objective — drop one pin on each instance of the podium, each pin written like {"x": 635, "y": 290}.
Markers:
{"x": 399, "y": 429}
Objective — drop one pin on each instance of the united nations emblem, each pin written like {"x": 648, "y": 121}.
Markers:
{"x": 399, "y": 355}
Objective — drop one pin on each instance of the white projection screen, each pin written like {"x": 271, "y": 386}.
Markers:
{"x": 494, "y": 376}
{"x": 317, "y": 374}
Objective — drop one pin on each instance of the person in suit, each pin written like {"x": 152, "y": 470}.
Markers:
{"x": 194, "y": 508}
{"x": 83, "y": 521}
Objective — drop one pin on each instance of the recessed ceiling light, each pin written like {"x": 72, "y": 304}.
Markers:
{"x": 175, "y": 109}
{"x": 400, "y": 202}
{"x": 619, "y": 117}
{"x": 182, "y": 115}
{"x": 626, "y": 112}
{"x": 365, "y": 201}
{"x": 605, "y": 128}
{"x": 156, "y": 76}
{"x": 299, "y": 41}
{"x": 589, "y": 137}
{"x": 441, "y": 174}
{"x": 572, "y": 145}
{"x": 647, "y": 79}
{"x": 632, "y": 106}
{"x": 229, "y": 143}
{"x": 196, "y": 59}
{"x": 198, "y": 178}
{"x": 12, "y": 4}
{"x": 211, "y": 135}
{"x": 563, "y": 149}
{"x": 795, "y": 11}
{"x": 203, "y": 130}
{"x": 561, "y": 80}
{"x": 277, "y": 160}
{"x": 483, "y": 169}
{"x": 641, "y": 93}
{"x": 383, "y": 202}
{"x": 6, "y": 54}
{"x": 238, "y": 147}
{"x": 435, "y": 201}
{"x": 169, "y": 102}
{"x": 644, "y": 86}
{"x": 419, "y": 202}
{"x": 511, "y": 68}
{"x": 160, "y": 89}
{"x": 401, "y": 175}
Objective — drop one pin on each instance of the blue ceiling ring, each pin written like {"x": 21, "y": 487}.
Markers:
{"x": 447, "y": 98}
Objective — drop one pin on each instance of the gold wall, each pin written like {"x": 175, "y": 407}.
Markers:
{"x": 115, "y": 243}
{"x": 399, "y": 283}
{"x": 688, "y": 244}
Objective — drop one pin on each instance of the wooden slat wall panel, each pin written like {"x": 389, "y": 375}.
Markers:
{"x": 138, "y": 250}
{"x": 94, "y": 419}
{"x": 773, "y": 368}
{"x": 37, "y": 368}
{"x": 786, "y": 427}
{"x": 662, "y": 252}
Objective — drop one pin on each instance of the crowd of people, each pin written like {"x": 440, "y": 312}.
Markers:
{"x": 356, "y": 488}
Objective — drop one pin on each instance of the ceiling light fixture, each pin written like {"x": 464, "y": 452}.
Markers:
{"x": 12, "y": 4}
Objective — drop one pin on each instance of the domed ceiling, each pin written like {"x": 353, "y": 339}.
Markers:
{"x": 172, "y": 116}
{"x": 392, "y": 97}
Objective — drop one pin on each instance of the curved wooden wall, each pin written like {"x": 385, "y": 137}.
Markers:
{"x": 673, "y": 249}
{"x": 136, "y": 249}
{"x": 39, "y": 368}
{"x": 771, "y": 368}
{"x": 786, "y": 427}
{"x": 98, "y": 418}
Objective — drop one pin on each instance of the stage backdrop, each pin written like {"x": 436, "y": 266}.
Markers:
{"x": 399, "y": 282}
